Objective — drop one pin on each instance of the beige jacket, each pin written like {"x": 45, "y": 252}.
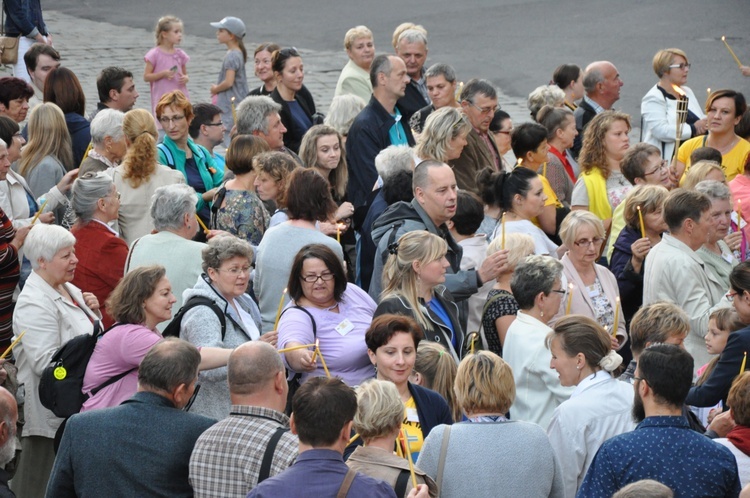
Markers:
{"x": 385, "y": 466}
{"x": 49, "y": 321}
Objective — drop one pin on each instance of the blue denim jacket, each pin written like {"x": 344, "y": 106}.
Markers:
{"x": 24, "y": 17}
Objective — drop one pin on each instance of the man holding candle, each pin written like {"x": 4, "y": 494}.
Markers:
{"x": 674, "y": 272}
{"x": 322, "y": 415}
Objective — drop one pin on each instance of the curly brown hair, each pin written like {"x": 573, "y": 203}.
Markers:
{"x": 592, "y": 153}
{"x": 140, "y": 161}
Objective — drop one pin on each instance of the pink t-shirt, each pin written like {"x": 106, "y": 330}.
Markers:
{"x": 119, "y": 350}
{"x": 160, "y": 60}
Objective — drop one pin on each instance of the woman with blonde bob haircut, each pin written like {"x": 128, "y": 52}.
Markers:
{"x": 701, "y": 171}
{"x": 48, "y": 154}
{"x": 139, "y": 175}
{"x": 444, "y": 135}
{"x": 582, "y": 357}
{"x": 601, "y": 186}
{"x": 594, "y": 287}
{"x": 413, "y": 279}
{"x": 527, "y": 466}
{"x": 378, "y": 421}
{"x": 631, "y": 247}
{"x": 501, "y": 307}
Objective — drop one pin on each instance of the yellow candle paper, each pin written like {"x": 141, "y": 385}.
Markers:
{"x": 203, "y": 225}
{"x": 323, "y": 362}
{"x": 617, "y": 316}
{"x": 408, "y": 457}
{"x": 570, "y": 299}
{"x": 734, "y": 56}
{"x": 744, "y": 361}
{"x": 643, "y": 225}
{"x": 295, "y": 348}
{"x": 278, "y": 311}
{"x": 502, "y": 241}
{"x": 41, "y": 210}
{"x": 12, "y": 345}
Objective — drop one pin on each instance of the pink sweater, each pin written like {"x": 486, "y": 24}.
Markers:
{"x": 119, "y": 350}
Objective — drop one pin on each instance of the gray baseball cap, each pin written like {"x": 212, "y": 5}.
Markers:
{"x": 232, "y": 24}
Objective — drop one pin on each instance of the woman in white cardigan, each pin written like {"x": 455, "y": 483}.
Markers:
{"x": 51, "y": 311}
{"x": 538, "y": 288}
{"x": 582, "y": 357}
{"x": 659, "y": 105}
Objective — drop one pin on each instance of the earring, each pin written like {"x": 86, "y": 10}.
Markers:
{"x": 541, "y": 314}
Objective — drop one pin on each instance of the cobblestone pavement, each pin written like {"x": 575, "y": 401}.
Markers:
{"x": 88, "y": 46}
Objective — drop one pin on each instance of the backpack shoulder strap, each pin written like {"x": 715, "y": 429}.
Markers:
{"x": 314, "y": 325}
{"x": 401, "y": 482}
{"x": 348, "y": 479}
{"x": 194, "y": 301}
{"x": 218, "y": 200}
{"x": 265, "y": 466}
{"x": 167, "y": 154}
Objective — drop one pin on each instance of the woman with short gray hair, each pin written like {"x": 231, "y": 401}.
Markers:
{"x": 173, "y": 216}
{"x": 108, "y": 139}
{"x": 226, "y": 275}
{"x": 101, "y": 253}
{"x": 539, "y": 288}
{"x": 717, "y": 253}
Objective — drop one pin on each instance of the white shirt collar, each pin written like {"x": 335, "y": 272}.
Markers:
{"x": 591, "y": 380}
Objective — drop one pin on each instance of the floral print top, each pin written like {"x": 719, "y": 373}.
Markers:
{"x": 243, "y": 215}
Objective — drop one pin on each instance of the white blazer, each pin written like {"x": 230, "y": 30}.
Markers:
{"x": 659, "y": 119}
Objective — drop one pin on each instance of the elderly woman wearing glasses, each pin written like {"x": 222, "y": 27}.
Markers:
{"x": 226, "y": 273}
{"x": 297, "y": 107}
{"x": 101, "y": 253}
{"x": 178, "y": 151}
{"x": 659, "y": 105}
{"x": 593, "y": 288}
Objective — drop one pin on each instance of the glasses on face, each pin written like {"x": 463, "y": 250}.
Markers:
{"x": 730, "y": 296}
{"x": 236, "y": 272}
{"x": 562, "y": 292}
{"x": 662, "y": 166}
{"x": 214, "y": 124}
{"x": 165, "y": 120}
{"x": 587, "y": 242}
{"x": 505, "y": 132}
{"x": 118, "y": 195}
{"x": 311, "y": 279}
{"x": 484, "y": 110}
{"x": 683, "y": 65}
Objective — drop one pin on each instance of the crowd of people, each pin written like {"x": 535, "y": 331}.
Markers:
{"x": 363, "y": 298}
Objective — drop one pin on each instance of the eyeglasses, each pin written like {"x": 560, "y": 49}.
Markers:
{"x": 118, "y": 195}
{"x": 236, "y": 272}
{"x": 311, "y": 279}
{"x": 164, "y": 120}
{"x": 213, "y": 124}
{"x": 192, "y": 398}
{"x": 587, "y": 242}
{"x": 289, "y": 52}
{"x": 662, "y": 166}
{"x": 506, "y": 132}
{"x": 730, "y": 296}
{"x": 484, "y": 110}
{"x": 684, "y": 65}
{"x": 560, "y": 291}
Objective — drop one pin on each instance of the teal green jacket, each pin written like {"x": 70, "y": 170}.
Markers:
{"x": 172, "y": 156}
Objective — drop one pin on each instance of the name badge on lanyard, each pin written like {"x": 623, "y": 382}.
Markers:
{"x": 344, "y": 327}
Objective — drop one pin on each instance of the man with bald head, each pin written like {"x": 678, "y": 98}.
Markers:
{"x": 229, "y": 458}
{"x": 602, "y": 84}
{"x": 8, "y": 420}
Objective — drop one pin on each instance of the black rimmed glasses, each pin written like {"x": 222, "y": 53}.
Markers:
{"x": 311, "y": 279}
{"x": 662, "y": 166}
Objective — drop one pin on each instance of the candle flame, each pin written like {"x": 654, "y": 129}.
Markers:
{"x": 678, "y": 90}
{"x": 723, "y": 38}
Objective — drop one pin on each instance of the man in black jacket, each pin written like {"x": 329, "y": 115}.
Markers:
{"x": 602, "y": 83}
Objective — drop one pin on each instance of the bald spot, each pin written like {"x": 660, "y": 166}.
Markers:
{"x": 251, "y": 366}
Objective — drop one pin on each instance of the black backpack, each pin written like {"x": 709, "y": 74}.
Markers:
{"x": 61, "y": 383}
{"x": 173, "y": 329}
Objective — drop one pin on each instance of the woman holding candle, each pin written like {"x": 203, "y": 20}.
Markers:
{"x": 139, "y": 175}
{"x": 297, "y": 108}
{"x": 325, "y": 309}
{"x": 226, "y": 274}
{"x": 308, "y": 199}
{"x": 141, "y": 301}
{"x": 521, "y": 196}
{"x": 526, "y": 465}
{"x": 582, "y": 357}
{"x": 501, "y": 308}
{"x": 392, "y": 342}
{"x": 659, "y": 105}
{"x": 538, "y": 287}
{"x": 413, "y": 278}
{"x": 646, "y": 203}
{"x": 601, "y": 187}
{"x": 378, "y": 422}
{"x": 724, "y": 109}
{"x": 595, "y": 290}
{"x": 51, "y": 311}
{"x": 101, "y": 253}
{"x": 717, "y": 253}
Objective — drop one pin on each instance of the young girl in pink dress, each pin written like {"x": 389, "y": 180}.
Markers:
{"x": 166, "y": 65}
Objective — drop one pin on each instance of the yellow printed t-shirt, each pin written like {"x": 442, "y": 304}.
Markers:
{"x": 412, "y": 429}
{"x": 552, "y": 199}
{"x": 733, "y": 162}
